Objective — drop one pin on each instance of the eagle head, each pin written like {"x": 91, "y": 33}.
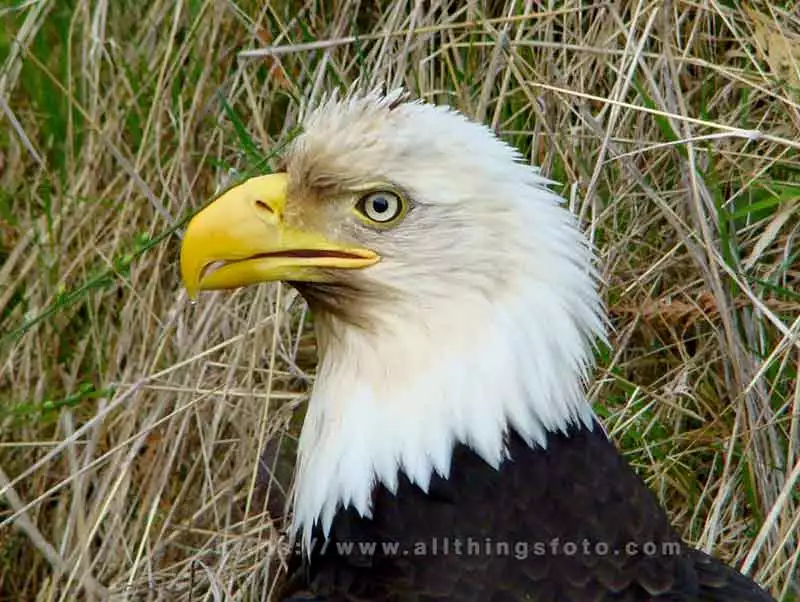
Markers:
{"x": 455, "y": 297}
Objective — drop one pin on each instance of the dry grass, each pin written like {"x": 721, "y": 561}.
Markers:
{"x": 131, "y": 421}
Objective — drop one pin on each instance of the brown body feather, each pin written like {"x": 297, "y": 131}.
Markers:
{"x": 578, "y": 493}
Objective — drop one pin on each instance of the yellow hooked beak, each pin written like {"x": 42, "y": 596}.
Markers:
{"x": 241, "y": 239}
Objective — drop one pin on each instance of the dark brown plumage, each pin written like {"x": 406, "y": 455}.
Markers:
{"x": 578, "y": 490}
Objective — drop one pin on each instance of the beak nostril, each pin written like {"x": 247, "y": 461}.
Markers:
{"x": 262, "y": 206}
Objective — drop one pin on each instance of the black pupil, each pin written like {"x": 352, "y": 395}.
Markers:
{"x": 380, "y": 204}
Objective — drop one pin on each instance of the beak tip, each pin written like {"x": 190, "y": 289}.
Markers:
{"x": 192, "y": 285}
{"x": 189, "y": 269}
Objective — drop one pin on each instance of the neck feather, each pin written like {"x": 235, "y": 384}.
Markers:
{"x": 400, "y": 398}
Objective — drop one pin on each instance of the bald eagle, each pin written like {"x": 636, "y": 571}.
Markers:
{"x": 448, "y": 451}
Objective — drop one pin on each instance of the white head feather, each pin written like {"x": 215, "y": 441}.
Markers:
{"x": 490, "y": 322}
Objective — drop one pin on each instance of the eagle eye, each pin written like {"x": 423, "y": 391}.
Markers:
{"x": 381, "y": 208}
